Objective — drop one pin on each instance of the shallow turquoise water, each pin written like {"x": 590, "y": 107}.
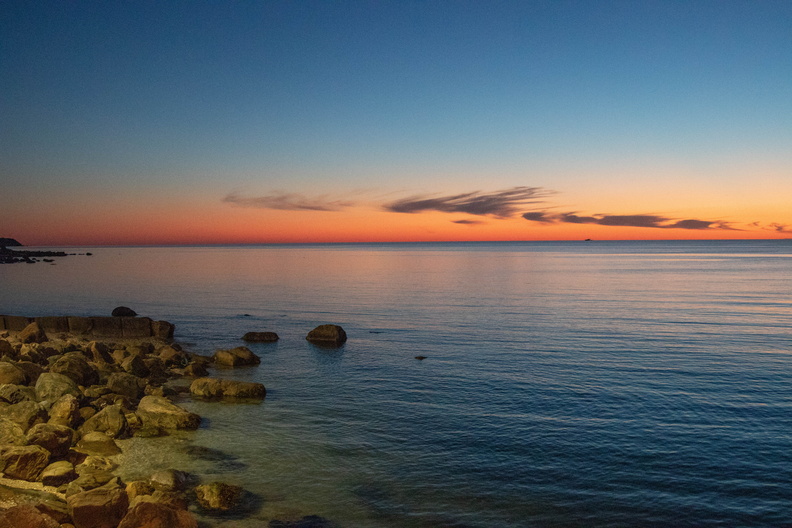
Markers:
{"x": 566, "y": 384}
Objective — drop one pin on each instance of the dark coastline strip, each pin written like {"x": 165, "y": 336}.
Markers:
{"x": 11, "y": 256}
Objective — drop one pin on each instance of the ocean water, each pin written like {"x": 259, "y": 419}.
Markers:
{"x": 593, "y": 384}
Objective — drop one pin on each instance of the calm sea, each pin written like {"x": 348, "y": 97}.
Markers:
{"x": 565, "y": 384}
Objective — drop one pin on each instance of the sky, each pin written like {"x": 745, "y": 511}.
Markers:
{"x": 197, "y": 122}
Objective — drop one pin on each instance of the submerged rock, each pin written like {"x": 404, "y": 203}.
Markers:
{"x": 260, "y": 337}
{"x": 309, "y": 521}
{"x": 218, "y": 496}
{"x": 327, "y": 335}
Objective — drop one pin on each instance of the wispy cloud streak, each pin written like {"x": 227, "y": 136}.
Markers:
{"x": 642, "y": 220}
{"x": 288, "y": 202}
{"x": 501, "y": 204}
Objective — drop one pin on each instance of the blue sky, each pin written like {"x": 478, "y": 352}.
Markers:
{"x": 203, "y": 99}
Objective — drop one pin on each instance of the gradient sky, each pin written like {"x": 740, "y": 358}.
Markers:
{"x": 152, "y": 122}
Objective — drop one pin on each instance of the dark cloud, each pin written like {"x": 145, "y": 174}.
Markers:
{"x": 653, "y": 221}
{"x": 501, "y": 204}
{"x": 779, "y": 228}
{"x": 288, "y": 201}
{"x": 538, "y": 216}
{"x": 467, "y": 222}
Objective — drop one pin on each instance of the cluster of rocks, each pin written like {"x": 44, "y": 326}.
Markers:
{"x": 12, "y": 256}
{"x": 64, "y": 401}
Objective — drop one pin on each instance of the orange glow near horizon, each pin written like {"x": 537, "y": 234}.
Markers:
{"x": 219, "y": 224}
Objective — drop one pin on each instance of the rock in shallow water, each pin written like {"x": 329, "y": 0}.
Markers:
{"x": 159, "y": 412}
{"x": 236, "y": 357}
{"x": 260, "y": 337}
{"x": 219, "y": 388}
{"x": 123, "y": 311}
{"x": 327, "y": 335}
{"x": 218, "y": 496}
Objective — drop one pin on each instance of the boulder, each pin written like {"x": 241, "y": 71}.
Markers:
{"x": 23, "y": 462}
{"x": 97, "y": 463}
{"x": 76, "y": 366}
{"x": 169, "y": 480}
{"x": 111, "y": 421}
{"x": 135, "y": 365}
{"x": 11, "y": 374}
{"x": 98, "y": 352}
{"x": 171, "y": 499}
{"x": 159, "y": 412}
{"x": 126, "y": 384}
{"x": 98, "y": 508}
{"x": 327, "y": 335}
{"x": 260, "y": 337}
{"x": 58, "y": 473}
{"x": 236, "y": 357}
{"x": 51, "y": 386}
{"x": 91, "y": 479}
{"x": 57, "y": 509}
{"x": 6, "y": 349}
{"x": 26, "y": 414}
{"x": 32, "y": 333}
{"x": 221, "y": 388}
{"x": 172, "y": 357}
{"x": 218, "y": 496}
{"x": 97, "y": 443}
{"x": 65, "y": 411}
{"x": 138, "y": 487}
{"x": 57, "y": 439}
{"x": 123, "y": 311}
{"x": 26, "y": 516}
{"x": 31, "y": 370}
{"x": 10, "y": 432}
{"x": 156, "y": 515}
{"x": 17, "y": 393}
{"x": 195, "y": 370}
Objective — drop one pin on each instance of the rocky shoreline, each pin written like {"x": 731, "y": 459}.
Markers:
{"x": 71, "y": 387}
{"x": 15, "y": 256}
